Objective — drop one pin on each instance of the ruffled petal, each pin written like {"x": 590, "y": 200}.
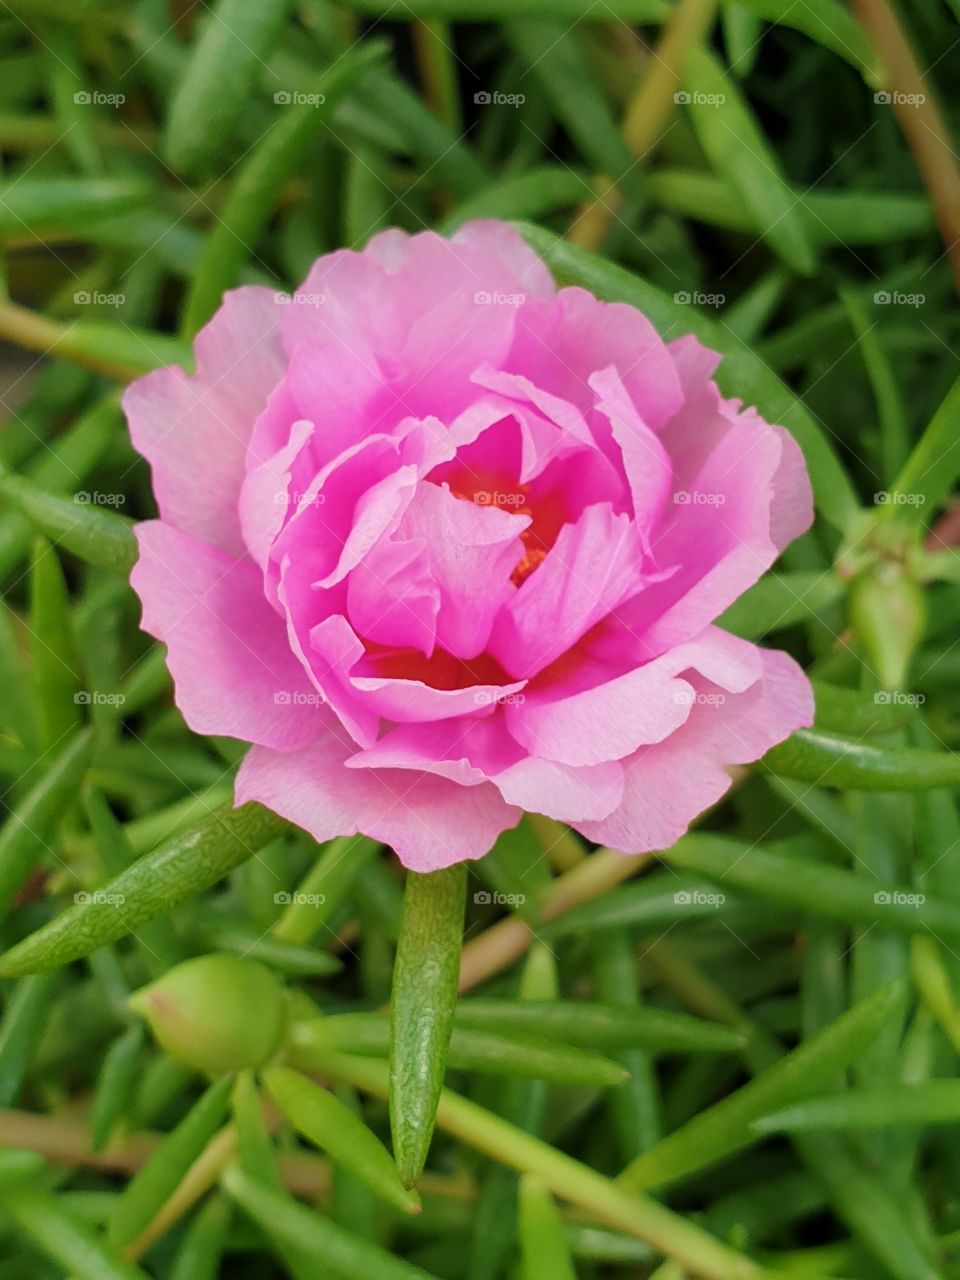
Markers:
{"x": 195, "y": 431}
{"x": 428, "y": 820}
{"x": 669, "y": 784}
{"x": 227, "y": 649}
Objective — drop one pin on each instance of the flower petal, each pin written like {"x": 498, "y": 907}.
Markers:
{"x": 232, "y": 667}
{"x": 195, "y": 431}
{"x": 428, "y": 820}
{"x": 669, "y": 784}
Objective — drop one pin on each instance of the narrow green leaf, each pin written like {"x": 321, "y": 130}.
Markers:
{"x": 181, "y": 867}
{"x": 741, "y": 374}
{"x": 24, "y": 1017}
{"x": 599, "y": 1026}
{"x": 64, "y": 1238}
{"x": 285, "y": 957}
{"x": 535, "y": 193}
{"x": 567, "y": 1178}
{"x": 99, "y": 536}
{"x": 252, "y": 199}
{"x": 53, "y": 647}
{"x": 501, "y": 10}
{"x": 18, "y": 714}
{"x": 116, "y": 1084}
{"x": 156, "y": 1181}
{"x": 726, "y": 1127}
{"x": 910, "y": 1105}
{"x": 545, "y": 1253}
{"x": 832, "y": 761}
{"x": 218, "y": 78}
{"x": 891, "y": 411}
{"x": 258, "y": 1160}
{"x": 345, "y": 1256}
{"x": 811, "y": 885}
{"x": 552, "y": 53}
{"x": 932, "y": 469}
{"x": 832, "y": 217}
{"x": 158, "y": 944}
{"x": 324, "y": 889}
{"x": 17, "y": 1165}
{"x": 326, "y": 1121}
{"x": 514, "y": 1055}
{"x": 737, "y": 150}
{"x": 651, "y": 904}
{"x": 829, "y": 24}
{"x": 780, "y": 600}
{"x": 856, "y": 714}
{"x": 65, "y": 203}
{"x": 29, "y": 829}
{"x": 422, "y": 1004}
{"x": 204, "y": 1242}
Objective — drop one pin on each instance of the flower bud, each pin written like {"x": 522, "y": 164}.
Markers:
{"x": 217, "y": 1013}
{"x": 888, "y": 614}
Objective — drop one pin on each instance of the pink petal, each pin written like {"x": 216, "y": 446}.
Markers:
{"x": 471, "y": 551}
{"x": 643, "y": 706}
{"x": 429, "y": 821}
{"x": 562, "y": 792}
{"x": 647, "y": 464}
{"x": 593, "y": 566}
{"x": 559, "y": 344}
{"x": 195, "y": 431}
{"x": 232, "y": 667}
{"x": 725, "y": 526}
{"x": 669, "y": 784}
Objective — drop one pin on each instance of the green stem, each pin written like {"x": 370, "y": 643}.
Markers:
{"x": 422, "y": 1004}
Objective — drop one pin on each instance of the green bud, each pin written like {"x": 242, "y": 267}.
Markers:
{"x": 217, "y": 1013}
{"x": 888, "y": 614}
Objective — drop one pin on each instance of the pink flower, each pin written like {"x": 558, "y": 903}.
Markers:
{"x": 445, "y": 543}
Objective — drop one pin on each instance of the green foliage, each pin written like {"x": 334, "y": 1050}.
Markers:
{"x": 762, "y": 1027}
